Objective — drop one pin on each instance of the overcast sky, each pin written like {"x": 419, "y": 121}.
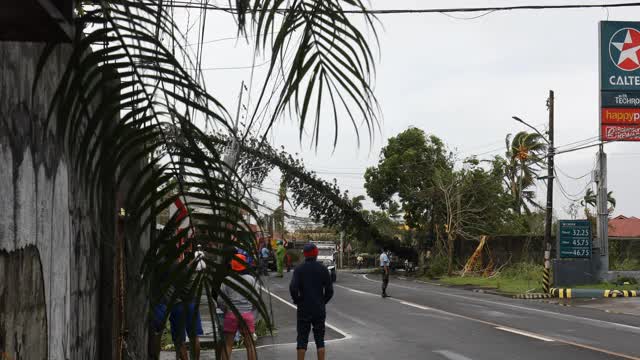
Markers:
{"x": 461, "y": 80}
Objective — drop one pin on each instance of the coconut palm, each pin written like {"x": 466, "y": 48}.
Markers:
{"x": 591, "y": 199}
{"x": 524, "y": 156}
{"x": 129, "y": 101}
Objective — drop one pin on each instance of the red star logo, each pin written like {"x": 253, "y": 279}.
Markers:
{"x": 629, "y": 51}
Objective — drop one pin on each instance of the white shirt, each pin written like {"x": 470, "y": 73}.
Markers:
{"x": 200, "y": 265}
{"x": 384, "y": 260}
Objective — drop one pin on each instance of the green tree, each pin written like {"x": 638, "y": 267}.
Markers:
{"x": 405, "y": 174}
{"x": 475, "y": 203}
{"x": 524, "y": 155}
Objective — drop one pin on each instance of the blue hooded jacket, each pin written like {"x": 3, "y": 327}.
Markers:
{"x": 311, "y": 287}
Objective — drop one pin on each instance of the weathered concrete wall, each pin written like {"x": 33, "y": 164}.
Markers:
{"x": 28, "y": 316}
{"x": 49, "y": 234}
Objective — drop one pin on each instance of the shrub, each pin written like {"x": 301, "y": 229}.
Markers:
{"x": 437, "y": 266}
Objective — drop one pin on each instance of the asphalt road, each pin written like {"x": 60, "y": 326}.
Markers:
{"x": 425, "y": 321}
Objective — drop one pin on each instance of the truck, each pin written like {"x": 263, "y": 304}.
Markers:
{"x": 327, "y": 256}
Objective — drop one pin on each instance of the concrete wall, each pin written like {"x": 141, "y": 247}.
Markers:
{"x": 56, "y": 273}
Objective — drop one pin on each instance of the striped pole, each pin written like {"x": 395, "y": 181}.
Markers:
{"x": 546, "y": 283}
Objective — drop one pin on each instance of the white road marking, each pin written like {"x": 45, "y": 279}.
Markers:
{"x": 602, "y": 323}
{"x": 451, "y": 355}
{"x": 355, "y": 291}
{"x": 524, "y": 333}
{"x": 349, "y": 317}
{"x": 332, "y": 327}
{"x": 431, "y": 315}
{"x": 496, "y": 326}
{"x": 415, "y": 305}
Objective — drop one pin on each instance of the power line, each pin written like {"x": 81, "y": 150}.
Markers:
{"x": 338, "y": 173}
{"x": 571, "y": 177}
{"x": 234, "y": 67}
{"x": 228, "y": 38}
{"x": 490, "y": 151}
{"x": 581, "y": 142}
{"x": 235, "y": 10}
{"x": 468, "y": 18}
{"x": 565, "y": 193}
{"x": 578, "y": 148}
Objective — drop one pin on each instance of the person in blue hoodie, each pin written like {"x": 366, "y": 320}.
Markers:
{"x": 311, "y": 289}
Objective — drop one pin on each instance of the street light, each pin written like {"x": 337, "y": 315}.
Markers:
{"x": 549, "y": 208}
{"x": 534, "y": 129}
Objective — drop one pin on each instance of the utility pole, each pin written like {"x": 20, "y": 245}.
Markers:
{"x": 602, "y": 263}
{"x": 550, "y": 178}
{"x": 549, "y": 209}
{"x": 234, "y": 148}
{"x": 341, "y": 249}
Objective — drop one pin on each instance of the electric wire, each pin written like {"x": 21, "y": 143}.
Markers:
{"x": 235, "y": 10}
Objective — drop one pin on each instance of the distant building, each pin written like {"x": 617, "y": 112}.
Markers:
{"x": 622, "y": 227}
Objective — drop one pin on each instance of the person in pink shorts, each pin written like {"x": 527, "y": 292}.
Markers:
{"x": 232, "y": 323}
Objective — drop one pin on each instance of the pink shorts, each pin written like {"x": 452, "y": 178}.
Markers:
{"x": 231, "y": 323}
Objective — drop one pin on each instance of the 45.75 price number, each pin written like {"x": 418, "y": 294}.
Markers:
{"x": 580, "y": 242}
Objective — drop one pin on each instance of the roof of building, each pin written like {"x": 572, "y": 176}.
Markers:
{"x": 624, "y": 227}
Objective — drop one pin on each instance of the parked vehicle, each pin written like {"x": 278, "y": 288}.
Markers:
{"x": 326, "y": 255}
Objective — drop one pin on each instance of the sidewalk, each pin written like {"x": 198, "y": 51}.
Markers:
{"x": 628, "y": 306}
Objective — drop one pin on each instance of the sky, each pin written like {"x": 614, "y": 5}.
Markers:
{"x": 461, "y": 80}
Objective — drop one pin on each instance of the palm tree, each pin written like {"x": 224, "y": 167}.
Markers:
{"x": 357, "y": 202}
{"x": 524, "y": 156}
{"x": 591, "y": 199}
{"x": 131, "y": 82}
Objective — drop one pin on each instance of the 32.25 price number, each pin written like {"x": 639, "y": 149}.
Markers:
{"x": 580, "y": 232}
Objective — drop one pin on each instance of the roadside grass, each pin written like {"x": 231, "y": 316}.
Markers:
{"x": 524, "y": 277}
{"x": 507, "y": 285}
{"x": 516, "y": 279}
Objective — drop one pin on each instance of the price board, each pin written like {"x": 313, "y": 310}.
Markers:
{"x": 574, "y": 239}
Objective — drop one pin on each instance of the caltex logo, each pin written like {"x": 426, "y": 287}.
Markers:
{"x": 624, "y": 48}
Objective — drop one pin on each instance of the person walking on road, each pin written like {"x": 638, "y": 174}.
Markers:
{"x": 232, "y": 323}
{"x": 311, "y": 289}
{"x": 280, "y": 258}
{"x": 384, "y": 265}
{"x": 287, "y": 259}
{"x": 264, "y": 260}
{"x": 184, "y": 317}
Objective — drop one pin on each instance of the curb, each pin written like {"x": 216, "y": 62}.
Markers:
{"x": 567, "y": 293}
{"x": 533, "y": 296}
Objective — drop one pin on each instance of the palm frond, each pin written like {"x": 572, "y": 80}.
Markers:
{"x": 331, "y": 57}
{"x": 125, "y": 110}
{"x": 121, "y": 92}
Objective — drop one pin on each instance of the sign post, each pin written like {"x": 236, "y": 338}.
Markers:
{"x": 619, "y": 112}
{"x": 574, "y": 239}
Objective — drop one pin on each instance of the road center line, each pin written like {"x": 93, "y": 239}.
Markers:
{"x": 496, "y": 326}
{"x": 354, "y": 290}
{"x": 451, "y": 355}
{"x": 524, "y": 333}
{"x": 602, "y": 323}
{"x": 415, "y": 305}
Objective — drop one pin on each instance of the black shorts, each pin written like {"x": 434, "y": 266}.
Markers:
{"x": 305, "y": 323}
